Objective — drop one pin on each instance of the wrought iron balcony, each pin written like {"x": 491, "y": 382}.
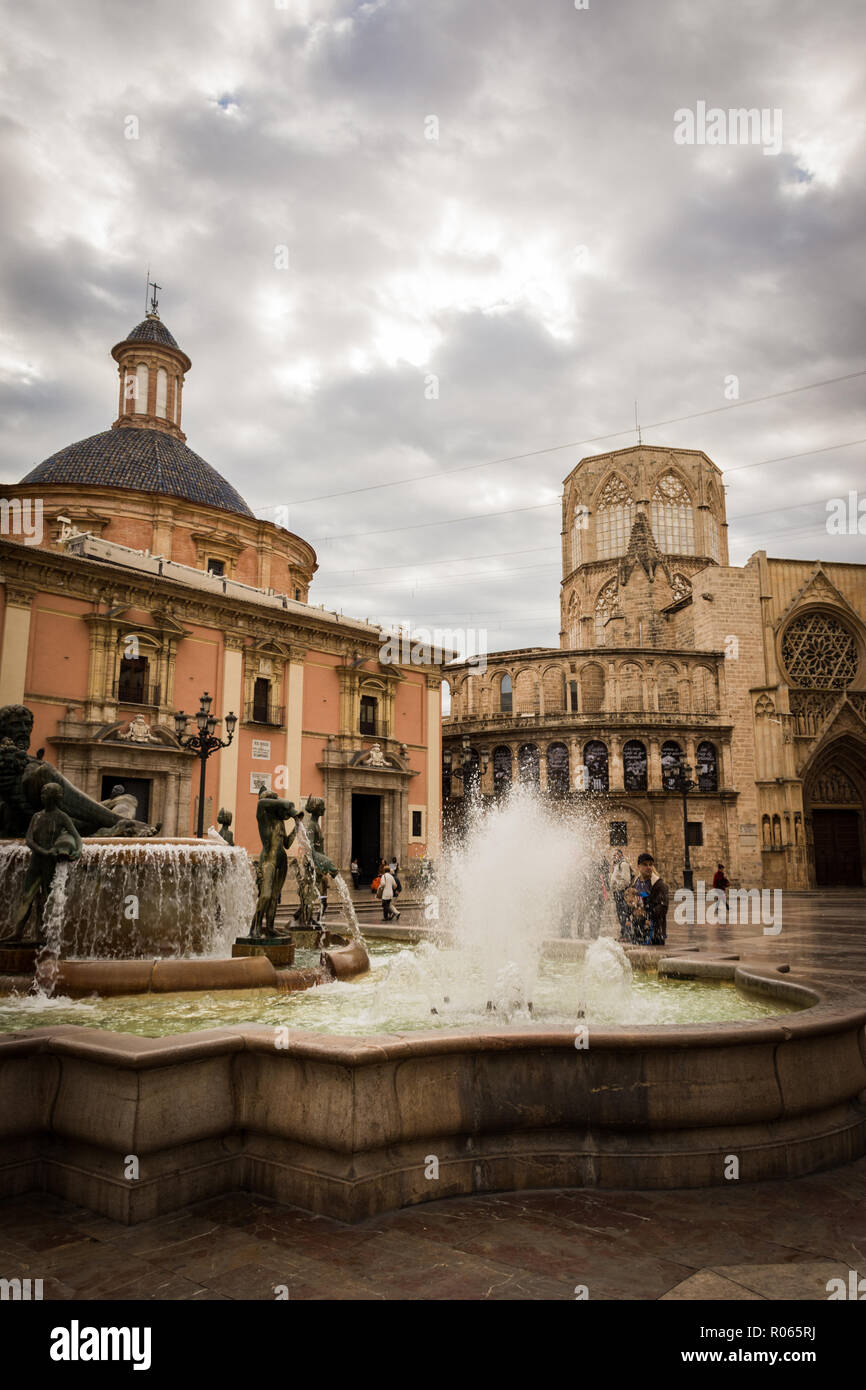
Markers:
{"x": 373, "y": 728}
{"x": 259, "y": 713}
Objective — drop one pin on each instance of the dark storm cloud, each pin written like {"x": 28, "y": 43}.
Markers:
{"x": 552, "y": 256}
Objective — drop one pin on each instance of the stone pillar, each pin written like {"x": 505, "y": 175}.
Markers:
{"x": 655, "y": 765}
{"x": 434, "y": 767}
{"x": 294, "y": 720}
{"x": 16, "y": 643}
{"x": 615, "y": 768}
{"x": 232, "y": 698}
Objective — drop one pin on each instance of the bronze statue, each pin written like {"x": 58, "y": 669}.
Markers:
{"x": 22, "y": 778}
{"x": 271, "y": 813}
{"x": 51, "y": 837}
{"x": 324, "y": 867}
{"x": 224, "y": 820}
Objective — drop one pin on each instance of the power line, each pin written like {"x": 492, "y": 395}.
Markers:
{"x": 577, "y": 443}
{"x": 512, "y": 511}
{"x": 495, "y": 555}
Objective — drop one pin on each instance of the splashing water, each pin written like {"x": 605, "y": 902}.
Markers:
{"x": 139, "y": 898}
{"x": 47, "y": 969}
{"x": 353, "y": 926}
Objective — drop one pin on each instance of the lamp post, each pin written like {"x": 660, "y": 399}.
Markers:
{"x": 203, "y": 743}
{"x": 681, "y": 782}
{"x": 466, "y": 764}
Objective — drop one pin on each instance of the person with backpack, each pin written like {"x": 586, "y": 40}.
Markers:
{"x": 387, "y": 891}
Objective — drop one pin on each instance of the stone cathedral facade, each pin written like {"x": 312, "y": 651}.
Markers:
{"x": 754, "y": 677}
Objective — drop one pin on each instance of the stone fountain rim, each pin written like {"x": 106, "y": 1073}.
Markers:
{"x": 139, "y": 841}
{"x": 835, "y": 1010}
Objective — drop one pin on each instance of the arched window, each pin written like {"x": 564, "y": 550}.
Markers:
{"x": 605, "y": 604}
{"x": 446, "y": 699}
{"x": 526, "y": 693}
{"x": 672, "y": 756}
{"x": 141, "y": 389}
{"x": 669, "y": 695}
{"x": 614, "y": 517}
{"x": 557, "y": 770}
{"x": 261, "y": 712}
{"x": 704, "y": 686}
{"x": 671, "y": 516}
{"x": 502, "y": 772}
{"x": 630, "y": 687}
{"x": 554, "y": 690}
{"x": 529, "y": 764}
{"x": 708, "y": 767}
{"x": 369, "y": 711}
{"x": 595, "y": 762}
{"x": 578, "y": 531}
{"x": 634, "y": 766}
{"x": 132, "y": 681}
{"x": 591, "y": 689}
{"x": 506, "y": 697}
{"x": 161, "y": 392}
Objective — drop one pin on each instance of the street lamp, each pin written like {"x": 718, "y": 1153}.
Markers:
{"x": 203, "y": 743}
{"x": 681, "y": 781}
{"x": 464, "y": 771}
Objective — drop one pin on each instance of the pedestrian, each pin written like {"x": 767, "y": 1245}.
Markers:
{"x": 377, "y": 878}
{"x": 387, "y": 892}
{"x": 393, "y": 866}
{"x": 648, "y": 901}
{"x": 621, "y": 876}
{"x": 356, "y": 873}
{"x": 722, "y": 883}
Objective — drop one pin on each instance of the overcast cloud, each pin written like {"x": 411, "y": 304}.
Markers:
{"x": 552, "y": 256}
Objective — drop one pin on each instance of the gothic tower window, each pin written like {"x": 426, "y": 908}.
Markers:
{"x": 161, "y": 392}
{"x": 604, "y": 607}
{"x": 506, "y": 696}
{"x": 141, "y": 380}
{"x": 614, "y": 517}
{"x": 819, "y": 652}
{"x": 671, "y": 516}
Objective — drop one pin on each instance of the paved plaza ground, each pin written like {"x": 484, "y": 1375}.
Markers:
{"x": 764, "y": 1241}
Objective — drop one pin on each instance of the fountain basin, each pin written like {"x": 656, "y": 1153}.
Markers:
{"x": 140, "y": 898}
{"x": 349, "y": 1127}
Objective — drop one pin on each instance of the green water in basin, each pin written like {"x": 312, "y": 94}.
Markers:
{"x": 399, "y": 994}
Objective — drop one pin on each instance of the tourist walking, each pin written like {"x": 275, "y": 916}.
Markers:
{"x": 387, "y": 891}
{"x": 648, "y": 904}
{"x": 722, "y": 883}
{"x": 621, "y": 876}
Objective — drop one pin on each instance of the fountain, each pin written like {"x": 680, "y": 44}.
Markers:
{"x": 514, "y": 1038}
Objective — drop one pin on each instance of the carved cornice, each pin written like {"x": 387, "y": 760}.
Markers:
{"x": 235, "y": 641}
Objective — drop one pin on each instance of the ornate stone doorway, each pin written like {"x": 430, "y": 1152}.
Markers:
{"x": 366, "y": 833}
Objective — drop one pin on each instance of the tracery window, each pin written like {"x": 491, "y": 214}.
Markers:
{"x": 819, "y": 652}
{"x": 708, "y": 767}
{"x": 672, "y": 757}
{"x": 596, "y": 764}
{"x": 681, "y": 586}
{"x": 502, "y": 771}
{"x": 671, "y": 516}
{"x": 634, "y": 766}
{"x": 614, "y": 516}
{"x": 604, "y": 606}
{"x": 529, "y": 763}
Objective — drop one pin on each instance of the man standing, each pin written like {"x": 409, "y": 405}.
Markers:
{"x": 387, "y": 893}
{"x": 722, "y": 883}
{"x": 648, "y": 897}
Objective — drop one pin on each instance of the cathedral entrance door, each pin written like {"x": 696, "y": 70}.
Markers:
{"x": 837, "y": 848}
{"x": 366, "y": 833}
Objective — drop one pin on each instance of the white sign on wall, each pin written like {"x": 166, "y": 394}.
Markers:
{"x": 261, "y": 748}
{"x": 260, "y": 779}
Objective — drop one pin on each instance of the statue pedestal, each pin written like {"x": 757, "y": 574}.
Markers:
{"x": 279, "y": 951}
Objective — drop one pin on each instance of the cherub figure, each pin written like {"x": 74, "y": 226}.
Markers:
{"x": 51, "y": 837}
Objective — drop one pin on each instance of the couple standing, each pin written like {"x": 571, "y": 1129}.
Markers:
{"x": 641, "y": 900}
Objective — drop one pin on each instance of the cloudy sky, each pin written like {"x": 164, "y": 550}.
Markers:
{"x": 480, "y": 198}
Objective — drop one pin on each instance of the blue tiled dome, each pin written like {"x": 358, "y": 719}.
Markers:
{"x": 151, "y": 330}
{"x": 149, "y": 460}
